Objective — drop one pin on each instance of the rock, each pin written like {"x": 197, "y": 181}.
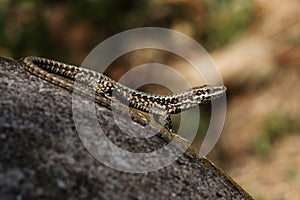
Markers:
{"x": 42, "y": 156}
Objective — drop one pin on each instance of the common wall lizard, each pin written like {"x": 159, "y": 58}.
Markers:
{"x": 159, "y": 105}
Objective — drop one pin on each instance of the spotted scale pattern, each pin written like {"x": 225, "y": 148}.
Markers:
{"x": 163, "y": 105}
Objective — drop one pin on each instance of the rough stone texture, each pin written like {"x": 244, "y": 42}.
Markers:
{"x": 42, "y": 156}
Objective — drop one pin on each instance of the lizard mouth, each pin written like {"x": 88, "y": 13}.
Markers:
{"x": 214, "y": 92}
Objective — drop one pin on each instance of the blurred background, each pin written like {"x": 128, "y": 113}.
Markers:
{"x": 254, "y": 43}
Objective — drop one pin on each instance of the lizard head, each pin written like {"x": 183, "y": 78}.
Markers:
{"x": 207, "y": 93}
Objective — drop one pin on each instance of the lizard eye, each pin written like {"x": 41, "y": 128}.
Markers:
{"x": 199, "y": 92}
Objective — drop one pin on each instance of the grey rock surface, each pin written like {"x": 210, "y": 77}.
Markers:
{"x": 42, "y": 156}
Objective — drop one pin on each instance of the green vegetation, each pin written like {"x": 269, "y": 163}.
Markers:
{"x": 226, "y": 20}
{"x": 275, "y": 127}
{"x": 70, "y": 29}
